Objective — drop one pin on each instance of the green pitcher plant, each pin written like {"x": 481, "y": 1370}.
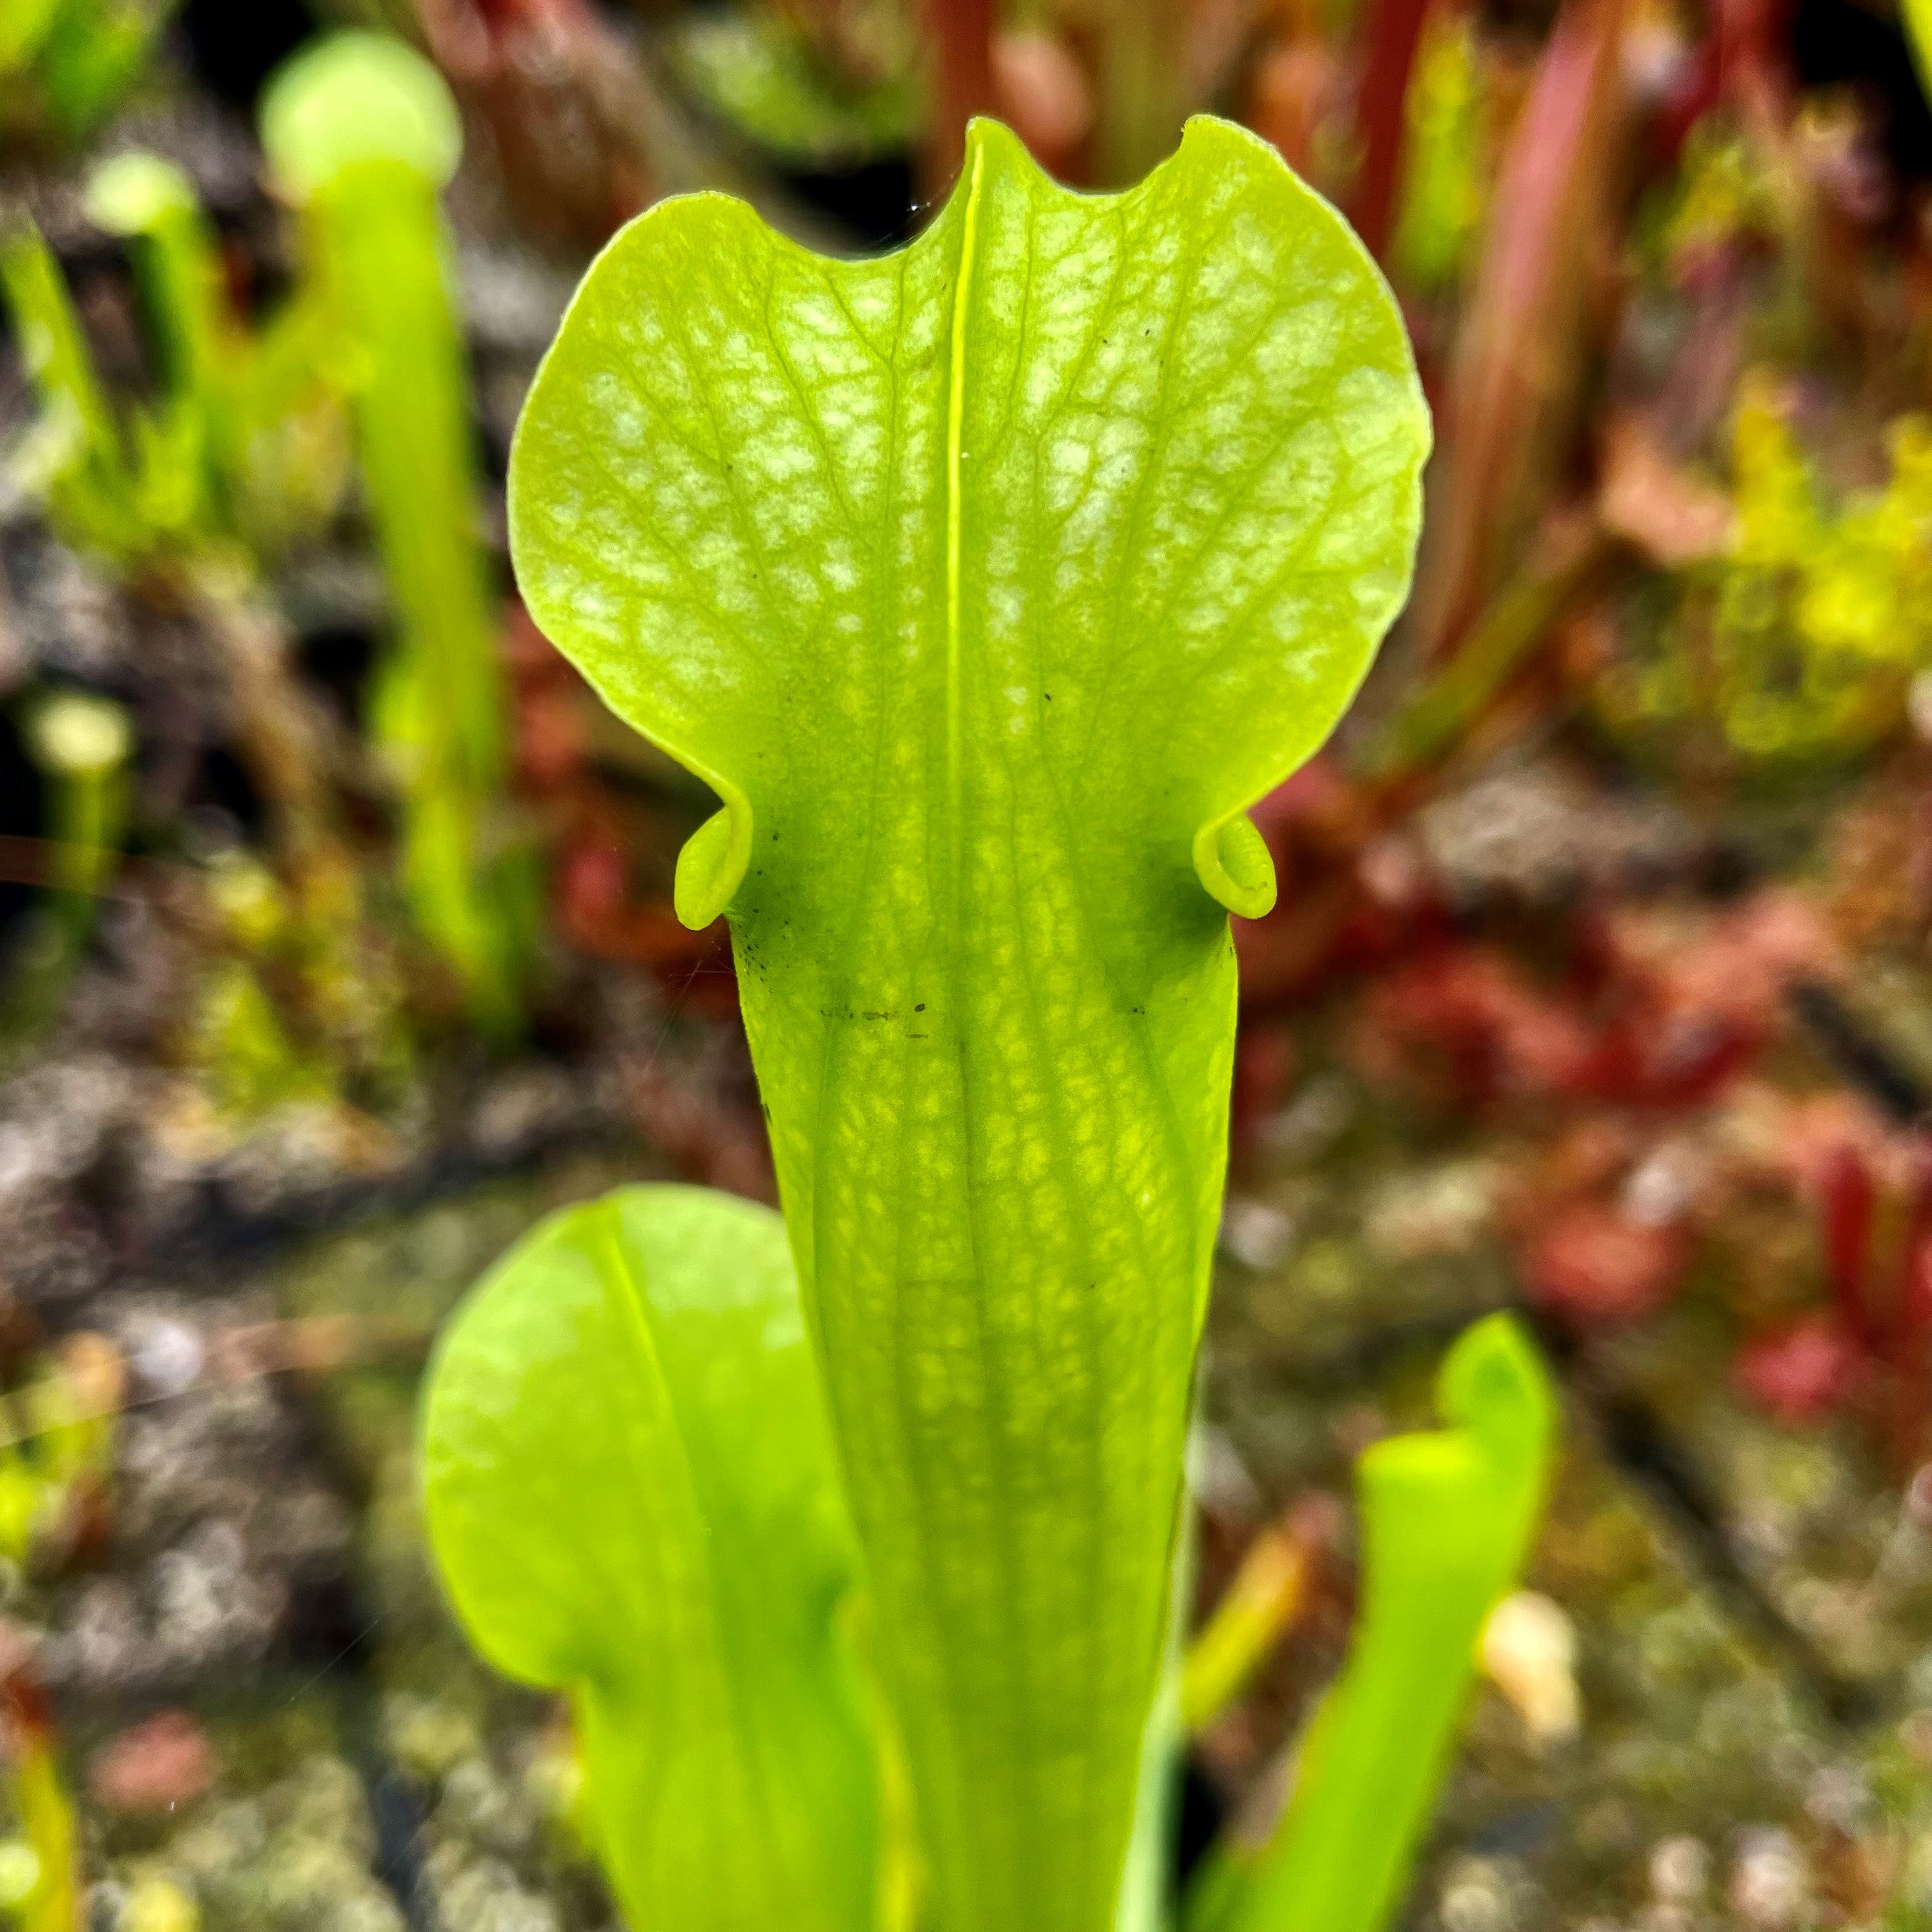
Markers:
{"x": 986, "y": 583}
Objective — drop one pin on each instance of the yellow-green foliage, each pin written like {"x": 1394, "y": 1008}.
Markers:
{"x": 81, "y": 744}
{"x": 1444, "y": 161}
{"x": 56, "y": 1438}
{"x": 1722, "y": 192}
{"x": 1801, "y": 642}
{"x": 66, "y": 64}
{"x": 1918, "y": 16}
{"x": 303, "y": 1005}
{"x": 42, "y": 1864}
{"x": 243, "y": 447}
{"x": 363, "y": 133}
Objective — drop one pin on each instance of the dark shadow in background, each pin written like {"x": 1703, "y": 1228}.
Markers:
{"x": 234, "y": 45}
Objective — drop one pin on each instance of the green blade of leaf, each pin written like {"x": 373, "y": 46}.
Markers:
{"x": 1249, "y": 1622}
{"x": 986, "y": 584}
{"x": 755, "y": 71}
{"x": 150, "y": 202}
{"x": 1918, "y": 18}
{"x": 1447, "y": 1518}
{"x": 91, "y": 56}
{"x": 24, "y": 24}
{"x": 364, "y": 131}
{"x": 180, "y": 446}
{"x": 77, "y": 456}
{"x": 1146, "y": 1893}
{"x": 631, "y": 1494}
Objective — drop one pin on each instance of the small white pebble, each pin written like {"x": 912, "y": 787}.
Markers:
{"x": 1529, "y": 1651}
{"x": 1256, "y": 1235}
{"x": 1770, "y": 1886}
{"x": 1474, "y": 1899}
{"x": 1680, "y": 1870}
{"x": 168, "y": 1356}
{"x": 1663, "y": 1187}
{"x": 1840, "y": 1798}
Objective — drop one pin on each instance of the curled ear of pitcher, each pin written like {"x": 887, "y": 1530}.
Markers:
{"x": 711, "y": 866}
{"x": 631, "y": 1497}
{"x": 1233, "y": 862}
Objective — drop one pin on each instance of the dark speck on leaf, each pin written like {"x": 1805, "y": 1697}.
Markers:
{"x": 921, "y": 1008}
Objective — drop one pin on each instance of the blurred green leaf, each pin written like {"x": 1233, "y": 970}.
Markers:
{"x": 255, "y": 409}
{"x": 987, "y": 583}
{"x": 45, "y": 1814}
{"x": 1447, "y": 1518}
{"x": 1800, "y": 642}
{"x": 1917, "y": 18}
{"x": 754, "y": 71}
{"x": 24, "y": 26}
{"x": 1443, "y": 162}
{"x": 65, "y": 65}
{"x": 93, "y": 54}
{"x": 242, "y": 443}
{"x": 150, "y": 203}
{"x": 357, "y": 101}
{"x": 75, "y": 454}
{"x": 631, "y": 1494}
{"x": 362, "y": 130}
{"x": 1248, "y": 1621}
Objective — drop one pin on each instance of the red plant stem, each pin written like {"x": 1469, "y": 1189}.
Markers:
{"x": 1527, "y": 320}
{"x": 1743, "y": 51}
{"x": 500, "y": 15}
{"x": 1911, "y": 1326}
{"x": 1395, "y": 31}
{"x": 1915, "y": 1286}
{"x": 1850, "y": 1202}
{"x": 960, "y": 34}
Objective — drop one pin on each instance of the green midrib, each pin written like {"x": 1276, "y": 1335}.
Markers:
{"x": 955, "y": 516}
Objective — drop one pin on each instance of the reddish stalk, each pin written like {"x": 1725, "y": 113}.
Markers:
{"x": 1850, "y": 1205}
{"x": 1511, "y": 401}
{"x": 961, "y": 36}
{"x": 1912, "y": 1349}
{"x": 1395, "y": 31}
